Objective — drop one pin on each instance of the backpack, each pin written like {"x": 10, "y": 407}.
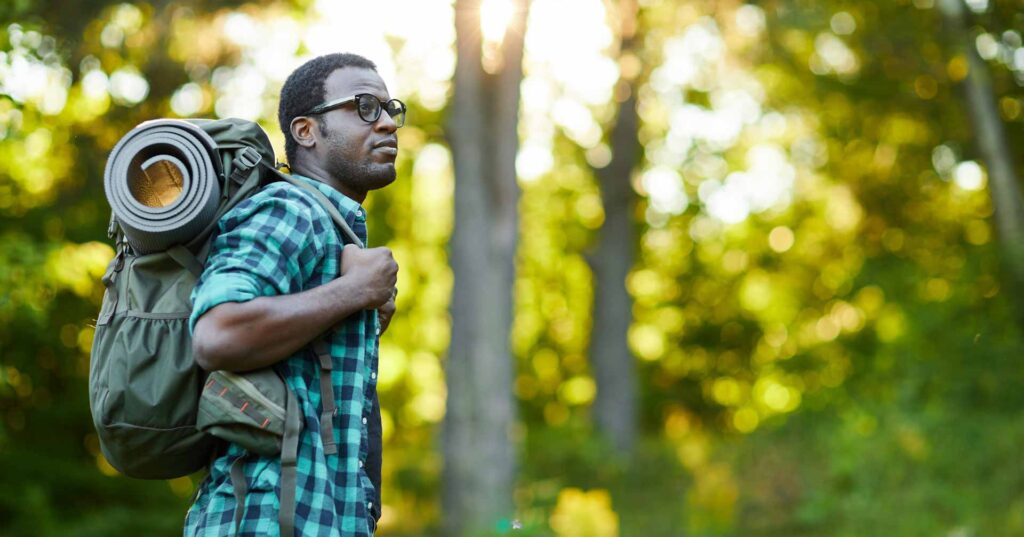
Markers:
{"x": 157, "y": 414}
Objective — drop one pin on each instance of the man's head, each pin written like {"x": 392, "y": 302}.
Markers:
{"x": 342, "y": 140}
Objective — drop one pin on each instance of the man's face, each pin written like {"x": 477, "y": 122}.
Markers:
{"x": 358, "y": 154}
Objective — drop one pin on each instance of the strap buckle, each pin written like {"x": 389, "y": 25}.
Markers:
{"x": 245, "y": 160}
{"x": 247, "y": 157}
{"x": 112, "y": 226}
{"x": 122, "y": 247}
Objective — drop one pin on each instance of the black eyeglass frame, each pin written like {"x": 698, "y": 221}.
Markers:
{"x": 381, "y": 106}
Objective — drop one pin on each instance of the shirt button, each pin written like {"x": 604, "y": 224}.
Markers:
{"x": 360, "y": 464}
{"x": 369, "y": 505}
{"x": 359, "y": 213}
{"x": 364, "y": 421}
{"x": 373, "y": 375}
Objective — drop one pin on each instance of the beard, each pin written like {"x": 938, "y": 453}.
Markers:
{"x": 359, "y": 175}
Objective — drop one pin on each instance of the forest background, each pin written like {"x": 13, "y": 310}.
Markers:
{"x": 668, "y": 268}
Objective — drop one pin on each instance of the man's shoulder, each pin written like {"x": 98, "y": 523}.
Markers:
{"x": 278, "y": 200}
{"x": 287, "y": 192}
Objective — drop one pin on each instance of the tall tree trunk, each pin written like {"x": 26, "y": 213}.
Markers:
{"x": 615, "y": 405}
{"x": 479, "y": 456}
{"x": 991, "y": 138}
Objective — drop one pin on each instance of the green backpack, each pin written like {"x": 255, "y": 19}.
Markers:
{"x": 157, "y": 414}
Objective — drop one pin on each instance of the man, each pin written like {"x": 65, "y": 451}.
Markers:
{"x": 279, "y": 277}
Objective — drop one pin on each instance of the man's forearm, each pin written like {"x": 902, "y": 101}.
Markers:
{"x": 241, "y": 336}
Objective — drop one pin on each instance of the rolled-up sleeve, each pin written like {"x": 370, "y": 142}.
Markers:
{"x": 267, "y": 245}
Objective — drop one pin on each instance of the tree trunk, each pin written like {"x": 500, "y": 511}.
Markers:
{"x": 615, "y": 405}
{"x": 479, "y": 457}
{"x": 991, "y": 138}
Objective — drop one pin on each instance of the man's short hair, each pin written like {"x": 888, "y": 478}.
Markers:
{"x": 304, "y": 89}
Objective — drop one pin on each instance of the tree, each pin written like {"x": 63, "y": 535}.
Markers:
{"x": 980, "y": 101}
{"x": 615, "y": 404}
{"x": 478, "y": 449}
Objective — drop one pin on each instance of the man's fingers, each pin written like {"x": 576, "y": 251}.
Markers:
{"x": 384, "y": 313}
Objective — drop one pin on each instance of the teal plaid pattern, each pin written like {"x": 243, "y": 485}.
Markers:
{"x": 281, "y": 241}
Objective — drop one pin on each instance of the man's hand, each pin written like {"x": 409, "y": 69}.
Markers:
{"x": 373, "y": 271}
{"x": 385, "y": 312}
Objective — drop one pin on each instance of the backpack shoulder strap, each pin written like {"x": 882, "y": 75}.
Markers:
{"x": 321, "y": 347}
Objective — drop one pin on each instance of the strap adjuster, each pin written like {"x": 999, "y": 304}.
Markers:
{"x": 244, "y": 161}
{"x": 247, "y": 158}
{"x": 112, "y": 227}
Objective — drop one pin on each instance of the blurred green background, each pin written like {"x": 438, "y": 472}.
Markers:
{"x": 822, "y": 233}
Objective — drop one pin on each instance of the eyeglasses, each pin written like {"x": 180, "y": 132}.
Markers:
{"x": 368, "y": 106}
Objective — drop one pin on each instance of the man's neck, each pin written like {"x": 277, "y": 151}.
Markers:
{"x": 319, "y": 174}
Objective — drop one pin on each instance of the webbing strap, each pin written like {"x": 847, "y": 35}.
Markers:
{"x": 110, "y": 286}
{"x": 241, "y": 489}
{"x": 185, "y": 258}
{"x": 323, "y": 354}
{"x": 289, "y": 458}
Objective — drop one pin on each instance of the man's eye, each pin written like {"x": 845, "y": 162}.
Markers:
{"x": 367, "y": 106}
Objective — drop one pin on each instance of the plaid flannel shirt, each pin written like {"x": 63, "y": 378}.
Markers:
{"x": 281, "y": 241}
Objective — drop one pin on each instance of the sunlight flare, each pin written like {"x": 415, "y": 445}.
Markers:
{"x": 495, "y": 17}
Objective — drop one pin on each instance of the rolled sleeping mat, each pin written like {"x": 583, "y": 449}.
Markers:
{"x": 162, "y": 180}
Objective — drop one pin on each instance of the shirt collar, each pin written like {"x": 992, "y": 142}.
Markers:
{"x": 349, "y": 208}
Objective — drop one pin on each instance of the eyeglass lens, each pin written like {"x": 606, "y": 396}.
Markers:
{"x": 397, "y": 111}
{"x": 369, "y": 108}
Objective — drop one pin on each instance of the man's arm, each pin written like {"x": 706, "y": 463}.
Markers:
{"x": 241, "y": 336}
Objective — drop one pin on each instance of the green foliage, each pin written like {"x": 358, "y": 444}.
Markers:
{"x": 844, "y": 361}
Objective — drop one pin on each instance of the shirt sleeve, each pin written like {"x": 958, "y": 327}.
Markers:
{"x": 267, "y": 245}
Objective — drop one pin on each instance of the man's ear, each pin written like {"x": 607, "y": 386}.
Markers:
{"x": 304, "y": 130}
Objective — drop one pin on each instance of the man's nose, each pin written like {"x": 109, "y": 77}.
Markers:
{"x": 385, "y": 123}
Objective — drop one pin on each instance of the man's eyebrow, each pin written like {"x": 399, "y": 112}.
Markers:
{"x": 380, "y": 93}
